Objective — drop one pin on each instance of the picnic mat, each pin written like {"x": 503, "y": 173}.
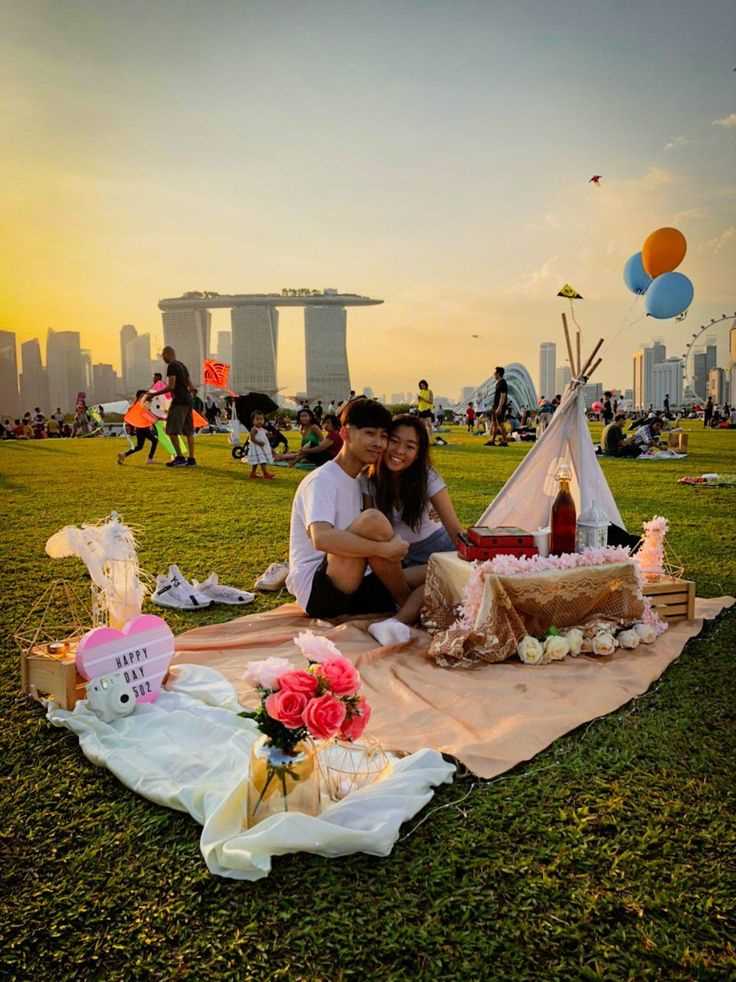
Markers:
{"x": 490, "y": 718}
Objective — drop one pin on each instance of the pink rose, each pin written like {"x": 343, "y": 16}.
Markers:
{"x": 287, "y": 707}
{"x": 341, "y": 676}
{"x": 324, "y": 716}
{"x": 352, "y": 729}
{"x": 298, "y": 681}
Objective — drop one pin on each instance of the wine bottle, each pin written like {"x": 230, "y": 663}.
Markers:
{"x": 563, "y": 518}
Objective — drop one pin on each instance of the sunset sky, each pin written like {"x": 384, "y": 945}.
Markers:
{"x": 435, "y": 155}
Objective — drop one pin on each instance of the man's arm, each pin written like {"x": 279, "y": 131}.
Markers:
{"x": 339, "y": 542}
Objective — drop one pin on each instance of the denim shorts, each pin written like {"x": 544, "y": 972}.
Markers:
{"x": 419, "y": 552}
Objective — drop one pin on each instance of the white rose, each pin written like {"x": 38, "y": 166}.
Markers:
{"x": 574, "y": 638}
{"x": 530, "y": 651}
{"x": 628, "y": 639}
{"x": 264, "y": 673}
{"x": 604, "y": 643}
{"x": 646, "y": 632}
{"x": 556, "y": 647}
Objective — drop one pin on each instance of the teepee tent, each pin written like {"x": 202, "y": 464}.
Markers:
{"x": 526, "y": 498}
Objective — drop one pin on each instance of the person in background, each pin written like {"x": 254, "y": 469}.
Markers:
{"x": 53, "y": 430}
{"x": 708, "y": 414}
{"x": 197, "y": 403}
{"x": 157, "y": 377}
{"x": 311, "y": 437}
{"x": 179, "y": 421}
{"x": 667, "y": 406}
{"x": 331, "y": 408}
{"x": 259, "y": 449}
{"x": 544, "y": 415}
{"x": 5, "y": 429}
{"x": 607, "y": 412}
{"x": 59, "y": 417}
{"x": 470, "y": 417}
{"x": 328, "y": 448}
{"x": 499, "y": 409}
{"x": 647, "y": 435}
{"x": 275, "y": 437}
{"x": 613, "y": 441}
{"x": 19, "y": 430}
{"x": 425, "y": 404}
{"x": 141, "y": 433}
{"x": 211, "y": 411}
{"x": 39, "y": 424}
{"x": 318, "y": 412}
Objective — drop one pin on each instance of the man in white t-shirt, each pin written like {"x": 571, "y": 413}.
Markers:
{"x": 343, "y": 560}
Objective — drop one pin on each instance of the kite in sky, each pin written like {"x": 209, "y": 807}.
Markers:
{"x": 596, "y": 179}
{"x": 569, "y": 293}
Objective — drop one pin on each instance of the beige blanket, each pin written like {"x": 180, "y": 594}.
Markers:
{"x": 490, "y": 718}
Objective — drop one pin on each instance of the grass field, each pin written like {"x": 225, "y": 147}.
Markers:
{"x": 610, "y": 856}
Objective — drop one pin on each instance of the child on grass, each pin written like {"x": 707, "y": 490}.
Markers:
{"x": 259, "y": 449}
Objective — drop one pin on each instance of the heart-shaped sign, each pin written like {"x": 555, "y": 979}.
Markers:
{"x": 142, "y": 652}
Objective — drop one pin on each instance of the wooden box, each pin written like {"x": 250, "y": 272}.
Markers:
{"x": 52, "y": 676}
{"x": 672, "y": 598}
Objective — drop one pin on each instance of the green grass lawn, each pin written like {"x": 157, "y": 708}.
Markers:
{"x": 609, "y": 856}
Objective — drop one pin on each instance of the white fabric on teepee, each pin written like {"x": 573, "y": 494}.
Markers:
{"x": 526, "y": 498}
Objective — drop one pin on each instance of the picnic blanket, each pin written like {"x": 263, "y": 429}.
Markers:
{"x": 490, "y": 718}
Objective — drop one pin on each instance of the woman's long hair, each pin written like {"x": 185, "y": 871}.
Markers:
{"x": 406, "y": 491}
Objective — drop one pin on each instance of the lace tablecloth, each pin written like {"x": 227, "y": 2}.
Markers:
{"x": 512, "y": 606}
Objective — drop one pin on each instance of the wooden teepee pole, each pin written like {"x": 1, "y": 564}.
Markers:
{"x": 573, "y": 369}
{"x": 594, "y": 352}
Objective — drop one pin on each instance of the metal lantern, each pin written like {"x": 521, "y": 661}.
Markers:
{"x": 592, "y": 529}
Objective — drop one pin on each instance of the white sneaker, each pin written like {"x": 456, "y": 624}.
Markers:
{"x": 221, "y": 594}
{"x": 274, "y": 578}
{"x": 390, "y": 632}
{"x": 177, "y": 592}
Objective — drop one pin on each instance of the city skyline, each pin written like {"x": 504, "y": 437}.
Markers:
{"x": 464, "y": 229}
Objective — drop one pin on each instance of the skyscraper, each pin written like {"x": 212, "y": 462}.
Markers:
{"x": 255, "y": 334}
{"x": 224, "y": 346}
{"x": 34, "y": 384}
{"x": 717, "y": 380}
{"x": 104, "y": 383}
{"x": 711, "y": 357}
{"x": 138, "y": 363}
{"x": 563, "y": 375}
{"x": 127, "y": 333}
{"x": 64, "y": 368}
{"x": 9, "y": 402}
{"x": 187, "y": 331}
{"x": 654, "y": 354}
{"x": 86, "y": 355}
{"x": 547, "y": 366}
{"x": 328, "y": 375}
{"x": 700, "y": 374}
{"x": 667, "y": 381}
{"x": 638, "y": 381}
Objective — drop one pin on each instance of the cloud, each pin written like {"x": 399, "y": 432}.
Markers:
{"x": 720, "y": 242}
{"x": 536, "y": 278}
{"x": 728, "y": 121}
{"x": 678, "y": 141}
{"x": 690, "y": 215}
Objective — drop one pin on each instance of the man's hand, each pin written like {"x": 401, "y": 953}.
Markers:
{"x": 394, "y": 550}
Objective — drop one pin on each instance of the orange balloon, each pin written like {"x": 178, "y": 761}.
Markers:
{"x": 663, "y": 251}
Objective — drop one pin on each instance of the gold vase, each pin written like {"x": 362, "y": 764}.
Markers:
{"x": 282, "y": 782}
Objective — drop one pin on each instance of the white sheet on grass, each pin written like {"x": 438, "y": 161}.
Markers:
{"x": 190, "y": 750}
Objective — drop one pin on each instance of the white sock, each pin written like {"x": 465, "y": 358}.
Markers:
{"x": 390, "y": 631}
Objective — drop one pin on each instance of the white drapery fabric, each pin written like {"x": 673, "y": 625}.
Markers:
{"x": 526, "y": 498}
{"x": 190, "y": 751}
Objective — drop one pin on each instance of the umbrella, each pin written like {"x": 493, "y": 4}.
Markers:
{"x": 254, "y": 401}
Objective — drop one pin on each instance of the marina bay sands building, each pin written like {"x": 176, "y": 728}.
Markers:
{"x": 254, "y": 322}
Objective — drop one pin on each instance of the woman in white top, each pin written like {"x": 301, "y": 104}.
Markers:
{"x": 413, "y": 496}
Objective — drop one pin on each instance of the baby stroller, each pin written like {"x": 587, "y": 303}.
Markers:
{"x": 243, "y": 407}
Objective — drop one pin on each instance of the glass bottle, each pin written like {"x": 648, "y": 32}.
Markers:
{"x": 280, "y": 781}
{"x": 562, "y": 520}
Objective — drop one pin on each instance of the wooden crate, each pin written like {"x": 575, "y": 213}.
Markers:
{"x": 672, "y": 598}
{"x": 44, "y": 675}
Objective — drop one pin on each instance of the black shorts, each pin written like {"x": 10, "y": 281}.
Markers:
{"x": 326, "y": 601}
{"x": 425, "y": 414}
{"x": 179, "y": 421}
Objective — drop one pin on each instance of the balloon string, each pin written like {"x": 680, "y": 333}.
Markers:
{"x": 627, "y": 326}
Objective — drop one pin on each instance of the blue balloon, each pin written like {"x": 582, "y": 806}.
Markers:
{"x": 668, "y": 296}
{"x": 635, "y": 276}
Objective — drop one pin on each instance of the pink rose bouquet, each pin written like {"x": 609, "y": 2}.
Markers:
{"x": 321, "y": 702}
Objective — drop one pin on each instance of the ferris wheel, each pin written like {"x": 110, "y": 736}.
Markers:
{"x": 695, "y": 337}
